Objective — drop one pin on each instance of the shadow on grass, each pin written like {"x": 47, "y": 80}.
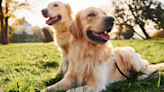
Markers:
{"x": 2, "y": 71}
{"x": 51, "y": 64}
{"x": 53, "y": 81}
{"x": 161, "y": 43}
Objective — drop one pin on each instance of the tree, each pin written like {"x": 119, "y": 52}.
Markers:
{"x": 157, "y": 15}
{"x": 138, "y": 12}
{"x": 123, "y": 18}
{"x": 126, "y": 33}
{"x": 5, "y": 13}
{"x": 143, "y": 10}
{"x": 37, "y": 33}
{"x": 3, "y": 32}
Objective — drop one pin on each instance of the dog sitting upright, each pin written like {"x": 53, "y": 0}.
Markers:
{"x": 59, "y": 15}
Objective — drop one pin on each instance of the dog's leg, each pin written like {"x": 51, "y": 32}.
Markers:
{"x": 60, "y": 70}
{"x": 139, "y": 64}
{"x": 94, "y": 84}
{"x": 156, "y": 67}
{"x": 63, "y": 66}
{"x": 87, "y": 89}
{"x": 65, "y": 84}
{"x": 150, "y": 69}
{"x": 134, "y": 61}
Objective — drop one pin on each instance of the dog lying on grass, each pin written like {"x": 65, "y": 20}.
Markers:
{"x": 92, "y": 58}
{"x": 59, "y": 15}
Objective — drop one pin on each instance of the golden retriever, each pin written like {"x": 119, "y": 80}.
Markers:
{"x": 59, "y": 15}
{"x": 92, "y": 58}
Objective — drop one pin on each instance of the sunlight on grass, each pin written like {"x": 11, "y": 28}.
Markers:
{"x": 31, "y": 67}
{"x": 25, "y": 64}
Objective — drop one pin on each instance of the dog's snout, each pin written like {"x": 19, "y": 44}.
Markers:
{"x": 109, "y": 19}
{"x": 45, "y": 13}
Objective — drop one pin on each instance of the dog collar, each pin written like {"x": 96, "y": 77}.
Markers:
{"x": 65, "y": 30}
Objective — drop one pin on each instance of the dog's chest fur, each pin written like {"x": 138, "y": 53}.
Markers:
{"x": 63, "y": 40}
{"x": 87, "y": 59}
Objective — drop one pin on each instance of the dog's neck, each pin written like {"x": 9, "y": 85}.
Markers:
{"x": 96, "y": 53}
{"x": 61, "y": 27}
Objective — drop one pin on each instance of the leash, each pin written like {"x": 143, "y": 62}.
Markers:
{"x": 121, "y": 71}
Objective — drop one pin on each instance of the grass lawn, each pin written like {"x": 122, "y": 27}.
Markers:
{"x": 30, "y": 67}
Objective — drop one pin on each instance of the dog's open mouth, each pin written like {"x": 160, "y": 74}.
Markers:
{"x": 99, "y": 37}
{"x": 53, "y": 20}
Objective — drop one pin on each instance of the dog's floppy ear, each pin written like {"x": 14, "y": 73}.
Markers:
{"x": 69, "y": 10}
{"x": 75, "y": 27}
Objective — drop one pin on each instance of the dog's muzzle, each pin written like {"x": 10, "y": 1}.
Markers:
{"x": 109, "y": 22}
{"x": 102, "y": 37}
{"x": 45, "y": 13}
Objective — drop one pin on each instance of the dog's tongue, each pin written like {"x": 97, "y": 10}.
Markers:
{"x": 51, "y": 19}
{"x": 104, "y": 36}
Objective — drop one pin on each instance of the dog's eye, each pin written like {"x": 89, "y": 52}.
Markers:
{"x": 91, "y": 15}
{"x": 55, "y": 5}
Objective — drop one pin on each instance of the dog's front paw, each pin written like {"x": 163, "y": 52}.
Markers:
{"x": 68, "y": 91}
{"x": 71, "y": 90}
{"x": 59, "y": 72}
{"x": 45, "y": 90}
{"x": 142, "y": 77}
{"x": 48, "y": 89}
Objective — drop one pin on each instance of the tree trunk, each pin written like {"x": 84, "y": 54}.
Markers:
{"x": 119, "y": 35}
{"x": 4, "y": 31}
{"x": 139, "y": 22}
{"x": 136, "y": 32}
{"x": 144, "y": 31}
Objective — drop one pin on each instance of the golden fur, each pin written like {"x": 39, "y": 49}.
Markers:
{"x": 61, "y": 33}
{"x": 91, "y": 63}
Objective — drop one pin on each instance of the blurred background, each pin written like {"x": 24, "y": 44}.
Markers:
{"x": 22, "y": 21}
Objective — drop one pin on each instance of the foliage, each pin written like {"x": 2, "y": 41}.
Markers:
{"x": 125, "y": 33}
{"x": 13, "y": 30}
{"x": 12, "y": 5}
{"x": 48, "y": 34}
{"x": 131, "y": 13}
{"x": 7, "y": 12}
{"x": 123, "y": 19}
{"x": 158, "y": 34}
{"x": 31, "y": 67}
{"x": 155, "y": 12}
{"x": 128, "y": 34}
{"x": 147, "y": 85}
{"x": 144, "y": 10}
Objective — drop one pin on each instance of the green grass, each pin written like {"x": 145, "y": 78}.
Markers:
{"x": 30, "y": 67}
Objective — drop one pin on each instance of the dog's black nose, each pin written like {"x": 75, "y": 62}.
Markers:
{"x": 109, "y": 19}
{"x": 45, "y": 13}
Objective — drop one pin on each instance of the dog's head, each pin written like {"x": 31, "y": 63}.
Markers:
{"x": 57, "y": 11}
{"x": 93, "y": 24}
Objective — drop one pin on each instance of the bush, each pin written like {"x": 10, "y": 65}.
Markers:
{"x": 158, "y": 34}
